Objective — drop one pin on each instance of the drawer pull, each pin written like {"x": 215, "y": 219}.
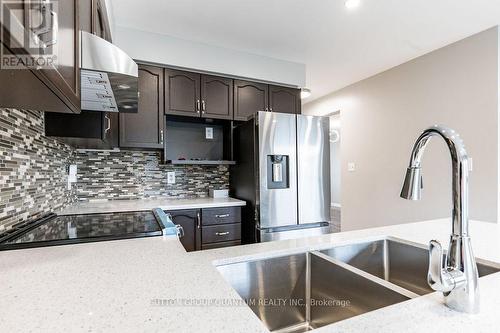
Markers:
{"x": 222, "y": 233}
{"x": 222, "y": 216}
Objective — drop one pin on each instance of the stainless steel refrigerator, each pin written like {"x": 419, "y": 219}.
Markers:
{"x": 283, "y": 172}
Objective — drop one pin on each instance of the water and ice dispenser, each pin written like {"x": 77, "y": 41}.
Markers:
{"x": 277, "y": 171}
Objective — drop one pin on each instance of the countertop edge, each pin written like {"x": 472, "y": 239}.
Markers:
{"x": 120, "y": 206}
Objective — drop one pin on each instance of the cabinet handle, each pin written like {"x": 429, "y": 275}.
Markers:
{"x": 222, "y": 216}
{"x": 108, "y": 127}
{"x": 180, "y": 230}
{"x": 198, "y": 220}
{"x": 203, "y": 106}
{"x": 44, "y": 29}
{"x": 161, "y": 136}
{"x": 197, "y": 106}
{"x": 222, "y": 233}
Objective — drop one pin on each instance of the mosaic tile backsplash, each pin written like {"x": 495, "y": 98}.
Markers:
{"x": 33, "y": 172}
{"x": 137, "y": 174}
{"x": 32, "y": 168}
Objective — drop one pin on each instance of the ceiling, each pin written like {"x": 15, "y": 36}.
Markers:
{"x": 339, "y": 46}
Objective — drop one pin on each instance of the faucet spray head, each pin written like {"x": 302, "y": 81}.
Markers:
{"x": 413, "y": 184}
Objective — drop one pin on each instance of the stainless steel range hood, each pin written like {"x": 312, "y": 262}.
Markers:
{"x": 109, "y": 77}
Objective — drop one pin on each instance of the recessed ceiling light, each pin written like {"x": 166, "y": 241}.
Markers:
{"x": 350, "y": 4}
{"x": 304, "y": 93}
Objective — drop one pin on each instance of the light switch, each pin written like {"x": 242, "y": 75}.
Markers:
{"x": 171, "y": 177}
{"x": 351, "y": 166}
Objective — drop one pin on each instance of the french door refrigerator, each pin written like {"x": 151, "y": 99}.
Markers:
{"x": 283, "y": 172}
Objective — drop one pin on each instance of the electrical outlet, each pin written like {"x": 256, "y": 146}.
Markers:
{"x": 171, "y": 177}
{"x": 209, "y": 133}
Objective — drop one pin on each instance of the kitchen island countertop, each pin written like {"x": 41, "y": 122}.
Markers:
{"x": 153, "y": 285}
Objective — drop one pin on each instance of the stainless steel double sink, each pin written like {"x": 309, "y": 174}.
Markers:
{"x": 301, "y": 292}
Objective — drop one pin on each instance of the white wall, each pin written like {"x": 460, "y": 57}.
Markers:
{"x": 111, "y": 16}
{"x": 172, "y": 51}
{"x": 335, "y": 162}
{"x": 382, "y": 116}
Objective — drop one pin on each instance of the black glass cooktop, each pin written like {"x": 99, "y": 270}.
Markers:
{"x": 58, "y": 230}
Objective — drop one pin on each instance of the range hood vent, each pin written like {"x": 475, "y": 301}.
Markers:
{"x": 109, "y": 77}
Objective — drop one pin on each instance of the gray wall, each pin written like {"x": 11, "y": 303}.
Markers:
{"x": 381, "y": 117}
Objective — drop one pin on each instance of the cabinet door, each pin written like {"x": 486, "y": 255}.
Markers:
{"x": 249, "y": 98}
{"x": 216, "y": 97}
{"x": 87, "y": 130}
{"x": 284, "y": 100}
{"x": 65, "y": 76}
{"x": 94, "y": 18}
{"x": 144, "y": 129}
{"x": 56, "y": 25}
{"x": 85, "y": 15}
{"x": 191, "y": 223}
{"x": 182, "y": 93}
{"x": 100, "y": 20}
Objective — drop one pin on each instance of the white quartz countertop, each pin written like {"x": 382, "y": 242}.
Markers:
{"x": 115, "y": 206}
{"x": 112, "y": 286}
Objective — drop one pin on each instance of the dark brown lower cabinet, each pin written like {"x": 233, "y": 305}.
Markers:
{"x": 220, "y": 245}
{"x": 221, "y": 233}
{"x": 209, "y": 228}
{"x": 190, "y": 221}
{"x": 220, "y": 227}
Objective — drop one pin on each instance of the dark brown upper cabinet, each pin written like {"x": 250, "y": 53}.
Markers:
{"x": 94, "y": 18}
{"x": 182, "y": 93}
{"x": 249, "y": 98}
{"x": 100, "y": 20}
{"x": 144, "y": 129}
{"x": 284, "y": 100}
{"x": 216, "y": 97}
{"x": 89, "y": 129}
{"x": 55, "y": 88}
{"x": 66, "y": 77}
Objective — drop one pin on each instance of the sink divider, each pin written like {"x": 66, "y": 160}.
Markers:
{"x": 308, "y": 287}
{"x": 357, "y": 271}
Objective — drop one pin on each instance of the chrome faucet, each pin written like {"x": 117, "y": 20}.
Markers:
{"x": 457, "y": 278}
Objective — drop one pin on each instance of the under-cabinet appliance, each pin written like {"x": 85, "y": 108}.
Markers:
{"x": 54, "y": 229}
{"x": 109, "y": 77}
{"x": 283, "y": 172}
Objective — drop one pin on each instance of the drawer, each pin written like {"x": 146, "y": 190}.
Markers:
{"x": 213, "y": 216}
{"x": 220, "y": 245}
{"x": 221, "y": 233}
